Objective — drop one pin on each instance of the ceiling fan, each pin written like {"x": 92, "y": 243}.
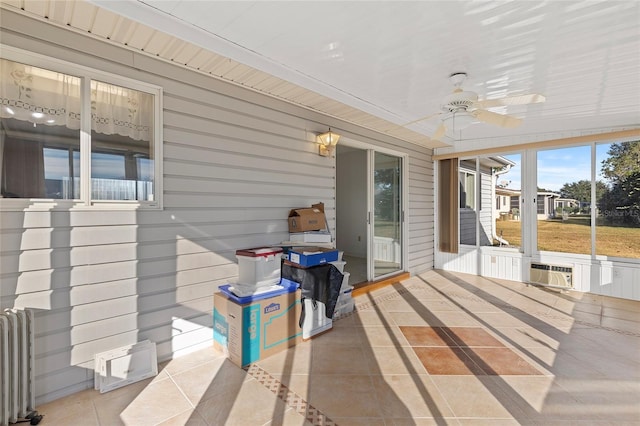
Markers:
{"x": 461, "y": 108}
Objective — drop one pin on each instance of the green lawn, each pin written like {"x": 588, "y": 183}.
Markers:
{"x": 574, "y": 236}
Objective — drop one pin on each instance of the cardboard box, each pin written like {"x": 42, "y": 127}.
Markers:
{"x": 250, "y": 332}
{"x": 312, "y": 256}
{"x": 307, "y": 219}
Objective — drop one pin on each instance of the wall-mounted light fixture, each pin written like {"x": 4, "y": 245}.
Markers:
{"x": 327, "y": 143}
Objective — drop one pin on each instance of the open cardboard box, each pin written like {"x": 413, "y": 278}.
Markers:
{"x": 307, "y": 219}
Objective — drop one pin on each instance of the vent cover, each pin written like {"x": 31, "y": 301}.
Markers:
{"x": 551, "y": 275}
{"x": 125, "y": 365}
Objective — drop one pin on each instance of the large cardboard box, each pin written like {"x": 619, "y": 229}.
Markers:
{"x": 250, "y": 332}
{"x": 307, "y": 219}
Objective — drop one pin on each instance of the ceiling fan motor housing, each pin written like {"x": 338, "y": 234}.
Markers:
{"x": 459, "y": 101}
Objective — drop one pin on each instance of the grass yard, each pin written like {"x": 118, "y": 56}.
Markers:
{"x": 574, "y": 236}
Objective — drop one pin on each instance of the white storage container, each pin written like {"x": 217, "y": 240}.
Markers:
{"x": 315, "y": 319}
{"x": 344, "y": 308}
{"x": 345, "y": 295}
{"x": 345, "y": 280}
{"x": 339, "y": 264}
{"x": 259, "y": 266}
{"x": 345, "y": 291}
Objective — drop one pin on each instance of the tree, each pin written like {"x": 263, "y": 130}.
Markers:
{"x": 387, "y": 196}
{"x": 623, "y": 161}
{"x": 581, "y": 190}
{"x": 621, "y": 205}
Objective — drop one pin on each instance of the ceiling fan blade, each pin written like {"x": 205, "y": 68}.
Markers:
{"x": 497, "y": 119}
{"x": 532, "y": 98}
{"x": 439, "y": 132}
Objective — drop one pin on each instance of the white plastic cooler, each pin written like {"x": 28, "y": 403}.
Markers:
{"x": 259, "y": 266}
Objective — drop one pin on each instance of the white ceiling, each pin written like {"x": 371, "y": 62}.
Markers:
{"x": 383, "y": 62}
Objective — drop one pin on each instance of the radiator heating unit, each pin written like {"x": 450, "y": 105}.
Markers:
{"x": 17, "y": 401}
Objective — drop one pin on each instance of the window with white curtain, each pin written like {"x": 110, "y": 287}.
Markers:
{"x": 43, "y": 114}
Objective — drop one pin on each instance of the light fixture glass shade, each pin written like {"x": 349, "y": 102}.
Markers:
{"x": 327, "y": 143}
{"x": 328, "y": 139}
{"x": 458, "y": 120}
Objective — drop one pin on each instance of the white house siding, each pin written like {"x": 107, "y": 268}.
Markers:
{"x": 486, "y": 208}
{"x": 235, "y": 162}
{"x": 467, "y": 226}
{"x": 420, "y": 216}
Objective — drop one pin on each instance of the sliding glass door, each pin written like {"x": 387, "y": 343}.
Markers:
{"x": 386, "y": 224}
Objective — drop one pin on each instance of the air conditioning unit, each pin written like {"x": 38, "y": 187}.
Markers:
{"x": 551, "y": 275}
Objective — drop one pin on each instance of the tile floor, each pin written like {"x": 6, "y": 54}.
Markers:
{"x": 440, "y": 348}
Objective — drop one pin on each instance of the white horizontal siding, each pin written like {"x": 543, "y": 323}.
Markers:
{"x": 485, "y": 215}
{"x": 420, "y": 210}
{"x": 235, "y": 162}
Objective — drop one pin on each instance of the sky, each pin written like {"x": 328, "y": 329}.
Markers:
{"x": 557, "y": 167}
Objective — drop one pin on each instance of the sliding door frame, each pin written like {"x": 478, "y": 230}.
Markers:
{"x": 404, "y": 204}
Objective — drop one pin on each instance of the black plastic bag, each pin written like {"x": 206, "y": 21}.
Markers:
{"x": 319, "y": 283}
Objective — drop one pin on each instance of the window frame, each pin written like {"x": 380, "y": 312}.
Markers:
{"x": 465, "y": 188}
{"x": 528, "y": 210}
{"x": 86, "y": 75}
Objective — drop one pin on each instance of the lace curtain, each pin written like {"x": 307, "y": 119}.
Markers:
{"x": 45, "y": 97}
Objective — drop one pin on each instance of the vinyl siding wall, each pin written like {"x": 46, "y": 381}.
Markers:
{"x": 486, "y": 203}
{"x": 235, "y": 162}
{"x": 468, "y": 216}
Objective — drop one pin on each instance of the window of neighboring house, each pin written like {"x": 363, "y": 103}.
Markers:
{"x": 43, "y": 115}
{"x": 541, "y": 205}
{"x": 515, "y": 205}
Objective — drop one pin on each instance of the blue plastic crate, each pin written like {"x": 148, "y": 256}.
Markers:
{"x": 287, "y": 287}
